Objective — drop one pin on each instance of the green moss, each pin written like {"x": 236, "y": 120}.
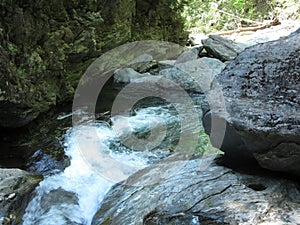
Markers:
{"x": 56, "y": 42}
{"x": 21, "y": 71}
{"x": 204, "y": 146}
{"x": 12, "y": 48}
{"x": 107, "y": 221}
{"x": 58, "y": 133}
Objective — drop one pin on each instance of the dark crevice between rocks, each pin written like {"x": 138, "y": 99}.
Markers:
{"x": 162, "y": 218}
{"x": 242, "y": 161}
{"x": 209, "y": 196}
{"x": 243, "y": 165}
{"x": 250, "y": 166}
{"x": 41, "y": 139}
{"x": 210, "y": 220}
{"x": 257, "y": 187}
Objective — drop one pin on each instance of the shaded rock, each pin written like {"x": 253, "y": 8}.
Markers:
{"x": 42, "y": 137}
{"x": 261, "y": 89}
{"x": 195, "y": 75}
{"x": 143, "y": 63}
{"x": 222, "y": 48}
{"x": 45, "y": 47}
{"x": 15, "y": 189}
{"x": 179, "y": 77}
{"x": 180, "y": 191}
{"x": 187, "y": 56}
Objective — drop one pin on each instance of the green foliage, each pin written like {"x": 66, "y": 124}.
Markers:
{"x": 12, "y": 48}
{"x": 205, "y": 146}
{"x": 213, "y": 15}
{"x": 20, "y": 71}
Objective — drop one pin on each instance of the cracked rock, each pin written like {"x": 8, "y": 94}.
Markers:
{"x": 186, "y": 193}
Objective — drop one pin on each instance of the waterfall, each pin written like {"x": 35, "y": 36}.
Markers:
{"x": 74, "y": 195}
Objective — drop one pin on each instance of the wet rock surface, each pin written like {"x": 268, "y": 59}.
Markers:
{"x": 37, "y": 147}
{"x": 15, "y": 189}
{"x": 181, "y": 191}
{"x": 261, "y": 89}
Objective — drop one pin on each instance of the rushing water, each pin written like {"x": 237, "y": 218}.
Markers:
{"x": 74, "y": 195}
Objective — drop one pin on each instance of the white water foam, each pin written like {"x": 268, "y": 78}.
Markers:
{"x": 74, "y": 195}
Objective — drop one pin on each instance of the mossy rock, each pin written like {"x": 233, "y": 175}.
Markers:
{"x": 45, "y": 47}
{"x": 16, "y": 187}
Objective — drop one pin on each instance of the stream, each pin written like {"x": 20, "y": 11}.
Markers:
{"x": 74, "y": 195}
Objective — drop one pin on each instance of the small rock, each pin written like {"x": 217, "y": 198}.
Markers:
{"x": 187, "y": 56}
{"x": 11, "y": 196}
{"x": 222, "y": 48}
{"x": 127, "y": 75}
{"x": 142, "y": 63}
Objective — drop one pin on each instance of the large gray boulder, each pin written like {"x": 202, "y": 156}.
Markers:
{"x": 193, "y": 75}
{"x": 181, "y": 191}
{"x": 261, "y": 89}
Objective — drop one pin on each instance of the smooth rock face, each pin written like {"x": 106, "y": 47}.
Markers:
{"x": 261, "y": 89}
{"x": 45, "y": 47}
{"x": 222, "y": 48}
{"x": 195, "y": 75}
{"x": 181, "y": 191}
{"x": 15, "y": 189}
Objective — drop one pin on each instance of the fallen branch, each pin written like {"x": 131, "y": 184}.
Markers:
{"x": 239, "y": 18}
{"x": 245, "y": 29}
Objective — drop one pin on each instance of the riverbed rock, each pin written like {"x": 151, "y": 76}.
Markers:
{"x": 128, "y": 75}
{"x": 15, "y": 188}
{"x": 194, "y": 75}
{"x": 261, "y": 89}
{"x": 181, "y": 191}
{"x": 45, "y": 47}
{"x": 222, "y": 48}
